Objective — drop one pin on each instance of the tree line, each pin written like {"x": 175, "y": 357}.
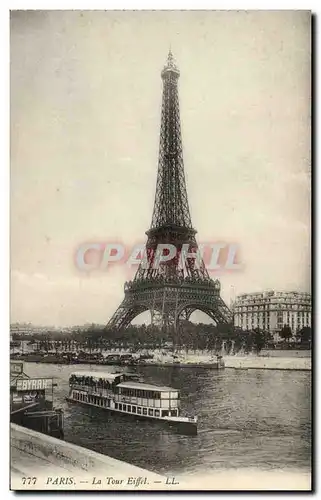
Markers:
{"x": 189, "y": 336}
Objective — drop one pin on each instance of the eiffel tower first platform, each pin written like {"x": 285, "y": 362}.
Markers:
{"x": 171, "y": 291}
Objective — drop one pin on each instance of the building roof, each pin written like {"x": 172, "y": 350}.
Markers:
{"x": 146, "y": 387}
{"x": 273, "y": 293}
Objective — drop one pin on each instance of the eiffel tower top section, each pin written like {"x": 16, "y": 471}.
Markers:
{"x": 171, "y": 208}
{"x": 170, "y": 67}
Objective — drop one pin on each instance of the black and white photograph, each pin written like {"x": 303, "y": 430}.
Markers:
{"x": 160, "y": 250}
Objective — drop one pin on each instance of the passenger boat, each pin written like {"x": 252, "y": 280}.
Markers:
{"x": 122, "y": 394}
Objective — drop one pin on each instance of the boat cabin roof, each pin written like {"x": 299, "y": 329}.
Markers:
{"x": 110, "y": 377}
{"x": 146, "y": 387}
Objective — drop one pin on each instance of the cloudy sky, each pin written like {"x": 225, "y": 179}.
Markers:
{"x": 85, "y": 117}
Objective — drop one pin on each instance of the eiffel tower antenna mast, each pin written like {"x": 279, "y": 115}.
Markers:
{"x": 172, "y": 292}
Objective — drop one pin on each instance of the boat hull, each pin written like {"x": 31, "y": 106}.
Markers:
{"x": 183, "y": 426}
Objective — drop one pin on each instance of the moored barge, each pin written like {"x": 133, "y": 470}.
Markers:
{"x": 31, "y": 403}
{"x": 121, "y": 394}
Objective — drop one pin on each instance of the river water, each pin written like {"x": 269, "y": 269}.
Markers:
{"x": 247, "y": 419}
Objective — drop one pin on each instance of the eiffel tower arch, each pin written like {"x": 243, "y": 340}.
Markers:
{"x": 171, "y": 291}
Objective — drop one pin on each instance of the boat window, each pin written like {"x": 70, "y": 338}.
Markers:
{"x": 157, "y": 413}
{"x": 128, "y": 408}
{"x": 139, "y": 410}
{"x": 116, "y": 406}
{"x": 165, "y": 413}
{"x": 134, "y": 409}
{"x": 120, "y": 406}
{"x": 174, "y": 413}
{"x": 144, "y": 411}
{"x": 151, "y": 412}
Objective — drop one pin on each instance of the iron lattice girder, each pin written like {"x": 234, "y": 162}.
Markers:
{"x": 167, "y": 290}
{"x": 176, "y": 236}
{"x": 171, "y": 202}
{"x": 171, "y": 300}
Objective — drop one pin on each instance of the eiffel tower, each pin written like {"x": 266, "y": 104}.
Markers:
{"x": 171, "y": 291}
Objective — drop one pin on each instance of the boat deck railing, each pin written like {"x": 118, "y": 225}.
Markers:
{"x": 93, "y": 391}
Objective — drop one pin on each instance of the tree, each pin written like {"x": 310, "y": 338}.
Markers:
{"x": 259, "y": 339}
{"x": 239, "y": 343}
{"x": 305, "y": 335}
{"x": 286, "y": 333}
{"x": 248, "y": 341}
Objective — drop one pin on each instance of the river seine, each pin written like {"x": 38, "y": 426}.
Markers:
{"x": 247, "y": 419}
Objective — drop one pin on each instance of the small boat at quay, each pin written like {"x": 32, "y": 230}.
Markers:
{"x": 122, "y": 393}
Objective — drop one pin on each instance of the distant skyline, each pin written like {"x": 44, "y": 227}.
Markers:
{"x": 85, "y": 118}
